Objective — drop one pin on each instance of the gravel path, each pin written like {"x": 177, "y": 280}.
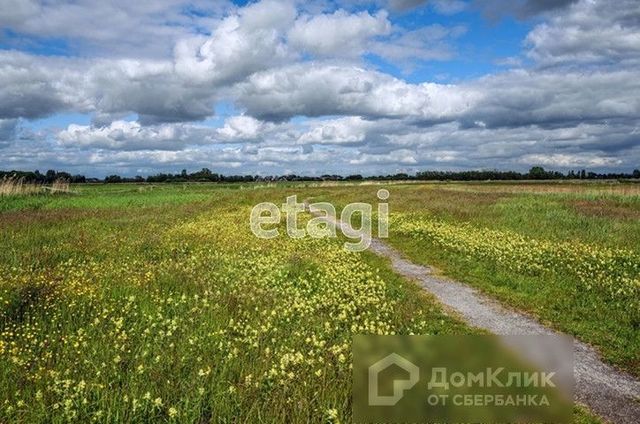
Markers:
{"x": 609, "y": 393}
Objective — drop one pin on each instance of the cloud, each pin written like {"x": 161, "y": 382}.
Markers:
{"x": 427, "y": 43}
{"x": 262, "y": 38}
{"x": 448, "y": 7}
{"x": 243, "y": 43}
{"x": 15, "y": 12}
{"x": 509, "y": 61}
{"x": 337, "y": 34}
{"x": 589, "y": 32}
{"x": 404, "y": 5}
{"x": 401, "y": 157}
{"x": 318, "y": 146}
{"x": 588, "y": 160}
{"x": 133, "y": 135}
{"x": 554, "y": 98}
{"x": 531, "y": 7}
{"x": 515, "y": 98}
{"x": 150, "y": 89}
{"x": 111, "y": 27}
{"x": 244, "y": 129}
{"x": 522, "y": 9}
{"x": 176, "y": 89}
{"x": 8, "y": 131}
{"x": 351, "y": 130}
{"x": 32, "y": 88}
{"x": 317, "y": 89}
{"x": 126, "y": 135}
{"x": 157, "y": 90}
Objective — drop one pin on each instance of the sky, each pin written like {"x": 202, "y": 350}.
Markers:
{"x": 321, "y": 86}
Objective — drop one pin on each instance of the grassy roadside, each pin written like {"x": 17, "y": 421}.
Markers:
{"x": 449, "y": 323}
{"x": 556, "y": 301}
{"x": 451, "y": 226}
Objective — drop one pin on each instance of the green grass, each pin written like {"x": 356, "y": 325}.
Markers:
{"x": 602, "y": 216}
{"x": 125, "y": 293}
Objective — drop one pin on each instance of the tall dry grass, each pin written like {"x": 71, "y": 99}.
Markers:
{"x": 60, "y": 186}
{"x": 14, "y": 186}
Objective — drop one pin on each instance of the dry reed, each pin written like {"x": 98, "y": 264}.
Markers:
{"x": 14, "y": 186}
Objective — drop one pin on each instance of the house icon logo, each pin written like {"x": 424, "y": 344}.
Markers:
{"x": 399, "y": 386}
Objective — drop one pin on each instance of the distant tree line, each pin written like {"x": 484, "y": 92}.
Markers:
{"x": 535, "y": 173}
{"x": 205, "y": 175}
{"x": 47, "y": 178}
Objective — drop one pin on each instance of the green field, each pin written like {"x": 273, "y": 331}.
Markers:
{"x": 156, "y": 302}
{"x": 565, "y": 253}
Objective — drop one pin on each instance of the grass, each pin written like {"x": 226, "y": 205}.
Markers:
{"x": 155, "y": 303}
{"x": 160, "y": 305}
{"x": 588, "y": 222}
{"x": 18, "y": 187}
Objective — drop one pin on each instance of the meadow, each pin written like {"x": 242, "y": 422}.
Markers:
{"x": 139, "y": 303}
{"x": 566, "y": 253}
{"x": 155, "y": 303}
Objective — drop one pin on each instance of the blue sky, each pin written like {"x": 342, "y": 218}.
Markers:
{"x": 315, "y": 87}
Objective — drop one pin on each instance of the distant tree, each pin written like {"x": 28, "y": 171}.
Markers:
{"x": 63, "y": 176}
{"x": 537, "y": 173}
{"x": 50, "y": 176}
{"x": 113, "y": 179}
